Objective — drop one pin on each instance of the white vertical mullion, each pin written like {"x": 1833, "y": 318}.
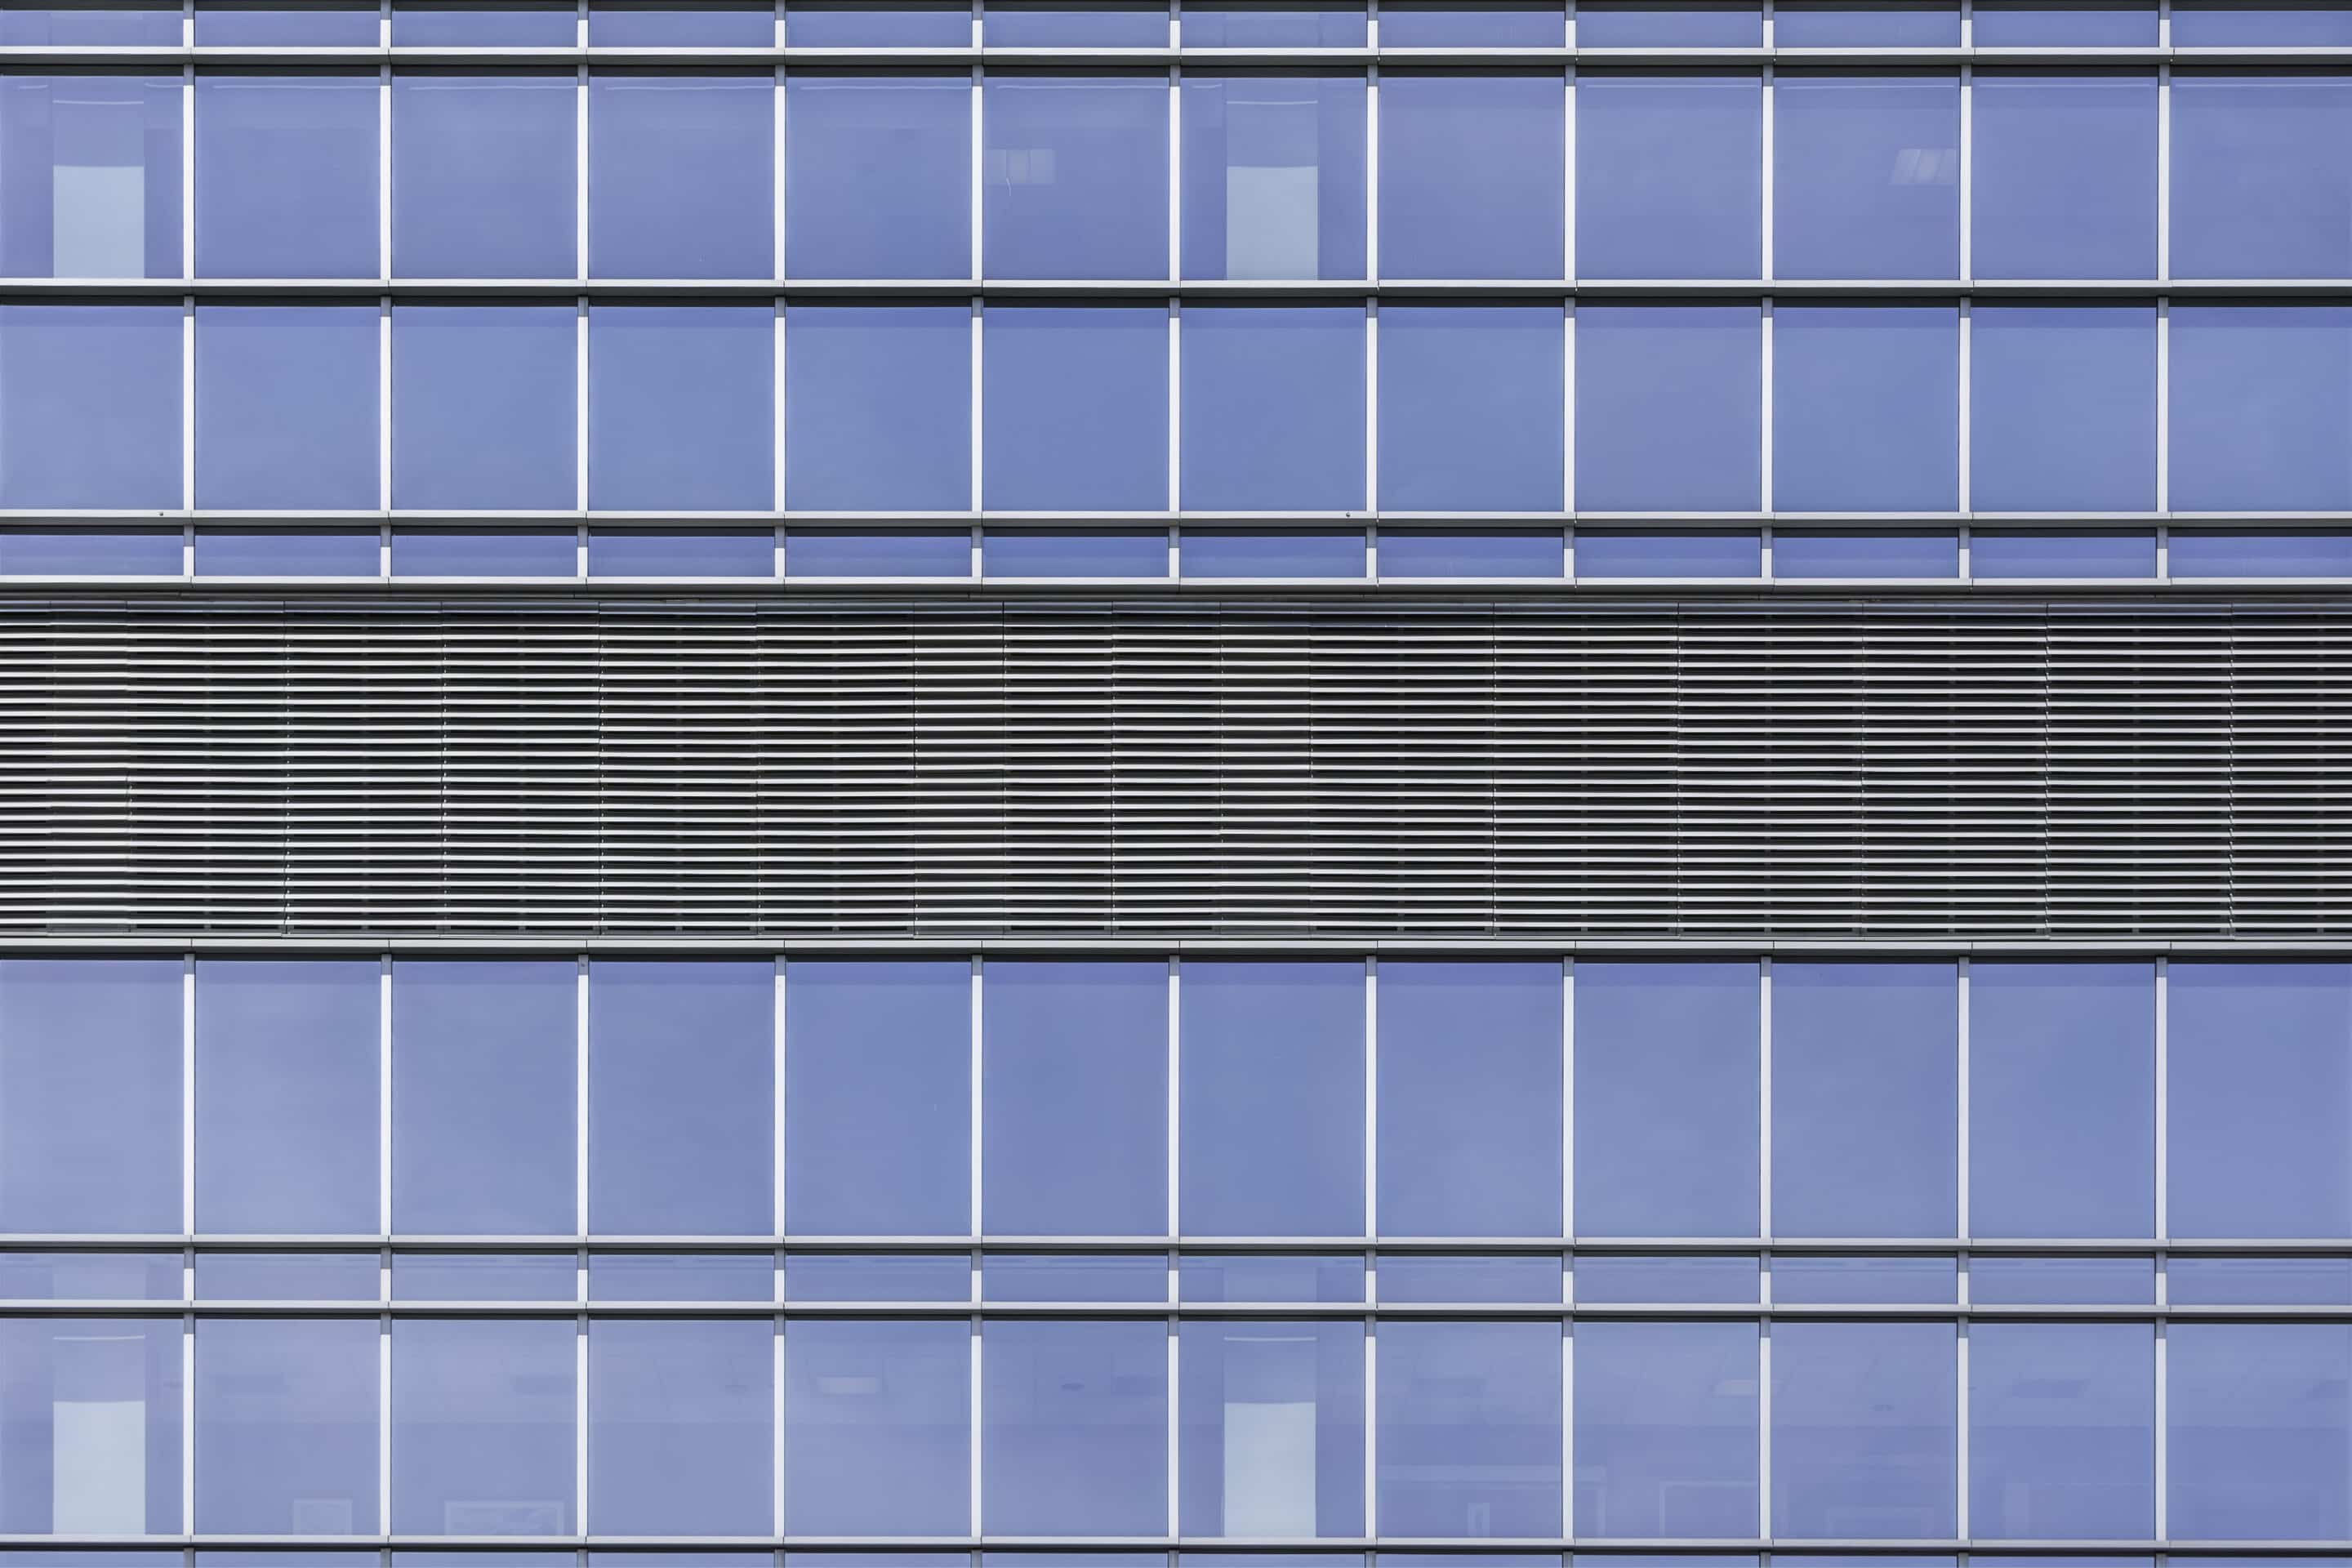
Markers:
{"x": 1568, "y": 27}
{"x": 1175, "y": 169}
{"x": 2163, "y": 1429}
{"x": 2163, "y": 1150}
{"x": 2163, "y": 424}
{"x": 776, "y": 155}
{"x": 778, "y": 1088}
{"x": 384, "y": 169}
{"x": 580, "y": 1423}
{"x": 1175, "y": 420}
{"x": 1764, "y": 1427}
{"x": 1968, "y": 159}
{"x": 971, "y": 1419}
{"x": 1371, "y": 1215}
{"x": 776, "y": 413}
{"x": 384, "y": 402}
{"x": 1764, "y": 1133}
{"x": 1372, "y": 172}
{"x": 1567, "y": 1099}
{"x": 1372, "y": 406}
{"x": 1764, "y": 414}
{"x": 580, "y": 403}
{"x": 383, "y": 1095}
{"x": 188, "y": 154}
{"x": 1968, "y": 41}
{"x": 2164, "y": 163}
{"x": 978, "y": 422}
{"x": 1567, "y": 161}
{"x": 1174, "y": 1046}
{"x": 188, "y": 1405}
{"x": 1568, "y": 405}
{"x": 188, "y": 1095}
{"x": 187, "y": 549}
{"x": 188, "y": 402}
{"x": 1960, "y": 1446}
{"x": 1169, "y": 1326}
{"x": 1566, "y": 1426}
{"x": 979, "y": 154}
{"x": 580, "y": 1091}
{"x": 1371, "y": 1424}
{"x": 580, "y": 160}
{"x": 1968, "y": 553}
{"x": 975, "y": 1137}
{"x": 383, "y": 1424}
{"x": 1764, "y": 253}
{"x": 1967, "y": 452}
{"x": 1769, "y": 41}
{"x": 779, "y": 1329}
{"x": 1965, "y": 1109}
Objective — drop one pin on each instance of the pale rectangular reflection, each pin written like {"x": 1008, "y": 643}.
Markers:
{"x": 1269, "y": 1421}
{"x": 98, "y": 1479}
{"x": 1273, "y": 179}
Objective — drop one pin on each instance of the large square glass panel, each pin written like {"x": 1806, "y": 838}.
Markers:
{"x": 1684, "y": 552}
{"x": 1074, "y": 180}
{"x": 2060, "y": 24}
{"x": 2194, "y": 1281}
{"x": 1866, "y": 175}
{"x": 1666, "y": 1429}
{"x": 1696, "y": 1278}
{"x": 1272, "y": 553}
{"x": 1669, "y": 1071}
{"x": 89, "y": 1277}
{"x": 136, "y": 22}
{"x": 877, "y": 407}
{"x": 877, "y": 1097}
{"x": 90, "y": 1095}
{"x": 2262, "y": 174}
{"x": 1270, "y": 1443}
{"x": 286, "y": 1095}
{"x": 1865, "y": 1430}
{"x": 90, "y": 175}
{"x": 278, "y": 23}
{"x": 286, "y": 1425}
{"x": 1074, "y": 1101}
{"x": 2061, "y": 1098}
{"x": 1453, "y": 1278}
{"x": 70, "y": 551}
{"x": 681, "y": 1276}
{"x": 1669, "y": 173}
{"x": 483, "y": 1416}
{"x": 1470, "y": 1430}
{"x": 2256, "y": 1431}
{"x": 1866, "y": 407}
{"x": 1074, "y": 1424}
{"x": 877, "y": 175}
{"x": 877, "y": 1428}
{"x": 681, "y": 552}
{"x": 681, "y": 408}
{"x": 285, "y": 173}
{"x": 681, "y": 174}
{"x": 1831, "y": 1280}
{"x": 1074, "y": 1276}
{"x": 2063, "y": 408}
{"x": 1074, "y": 408}
{"x": 1801, "y": 552}
{"x": 1470, "y": 25}
{"x": 2093, "y": 1280}
{"x": 285, "y": 406}
{"x": 466, "y": 25}
{"x": 666, "y": 25}
{"x": 485, "y": 406}
{"x": 1274, "y": 176}
{"x": 1075, "y": 553}
{"x": 485, "y": 553}
{"x": 2260, "y": 1099}
{"x": 89, "y": 404}
{"x": 878, "y": 1277}
{"x": 287, "y": 552}
{"x": 1274, "y": 407}
{"x": 1075, "y": 24}
{"x": 1473, "y": 175}
{"x": 1472, "y": 413}
{"x": 1298, "y": 25}
{"x": 484, "y": 1060}
{"x": 877, "y": 552}
{"x": 485, "y": 1276}
{"x": 2199, "y": 24}
{"x": 1470, "y": 1107}
{"x": 89, "y": 1426}
{"x": 2269, "y": 552}
{"x": 2063, "y": 176}
{"x": 1670, "y": 24}
{"x": 1865, "y": 1104}
{"x": 288, "y": 1276}
{"x": 1866, "y": 24}
{"x": 1269, "y": 1276}
{"x": 484, "y": 174}
{"x": 1669, "y": 409}
{"x": 861, "y": 24}
{"x": 681, "y": 1098}
{"x": 1417, "y": 552}
{"x": 681, "y": 1416}
{"x": 1271, "y": 1099}
{"x": 2043, "y": 553}
{"x": 2260, "y": 398}
{"x": 2062, "y": 1430}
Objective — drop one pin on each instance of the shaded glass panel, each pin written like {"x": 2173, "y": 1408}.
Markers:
{"x": 681, "y": 1276}
{"x": 1865, "y": 1430}
{"x": 321, "y": 24}
{"x": 285, "y": 173}
{"x": 878, "y": 1277}
{"x": 1272, "y": 1098}
{"x": 1074, "y": 1276}
{"x": 681, "y": 174}
{"x": 1668, "y": 1086}
{"x": 2262, "y": 174}
{"x": 680, "y": 1426}
{"x": 1075, "y": 175}
{"x": 1867, "y": 173}
{"x": 2261, "y": 396}
{"x": 681, "y": 552}
{"x": 2260, "y": 1099}
{"x": 89, "y": 1277}
{"x": 2045, "y": 1281}
{"x": 1865, "y": 410}
{"x": 2062, "y": 1431}
{"x": 484, "y": 1277}
{"x": 1075, "y": 407}
{"x": 877, "y": 407}
{"x": 877, "y": 1423}
{"x": 90, "y": 1095}
{"x": 1471, "y": 24}
{"x": 1470, "y": 553}
{"x": 1669, "y": 170}
{"x": 860, "y": 24}
{"x": 1269, "y": 1276}
{"x": 1669, "y": 410}
{"x": 484, "y": 174}
{"x": 484, "y": 551}
{"x": 2284, "y": 553}
{"x": 877, "y": 175}
{"x": 144, "y": 23}
{"x": 1866, "y": 24}
{"x": 464, "y": 23}
{"x": 1670, "y": 24}
{"x": 2063, "y": 23}
{"x": 877, "y": 552}
{"x": 1696, "y": 1279}
{"x": 2256, "y": 1431}
{"x": 288, "y": 1276}
{"x": 1075, "y": 1099}
{"x": 1074, "y": 1423}
{"x": 1838, "y": 1280}
{"x": 662, "y": 24}
{"x": 1271, "y": 1441}
{"x": 286, "y": 551}
{"x": 483, "y": 1415}
{"x": 1471, "y": 411}
{"x": 1509, "y": 1278}
{"x": 1473, "y": 176}
{"x": 1666, "y": 1429}
{"x": 286, "y": 1425}
{"x": 1274, "y": 408}
{"x": 89, "y": 1426}
{"x": 484, "y": 1057}
{"x": 681, "y": 408}
{"x": 2045, "y": 552}
{"x": 1075, "y": 553}
{"x": 1470, "y": 1428}
{"x": 483, "y": 406}
{"x": 1844, "y": 553}
{"x": 1075, "y": 24}
{"x": 2062, "y": 177}
{"x": 90, "y": 404}
{"x": 89, "y": 173}
{"x": 1272, "y": 553}
{"x": 1274, "y": 176}
{"x": 1300, "y": 24}
{"x": 2063, "y": 408}
{"x": 286, "y": 1095}
{"x": 286, "y": 400}
{"x": 1684, "y": 552}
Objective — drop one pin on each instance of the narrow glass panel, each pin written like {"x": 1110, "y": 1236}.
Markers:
{"x": 1472, "y": 177}
{"x": 2046, "y": 554}
{"x": 90, "y": 1095}
{"x": 681, "y": 552}
{"x": 1062, "y": 24}
{"x": 1274, "y": 174}
{"x": 2063, "y": 176}
{"x": 1471, "y": 407}
{"x": 286, "y": 1095}
{"x": 483, "y": 1415}
{"x": 286, "y": 1425}
{"x": 1274, "y": 408}
{"x": 2060, "y": 24}
{"x": 1865, "y": 1436}
{"x": 1409, "y": 552}
{"x": 2262, "y": 173}
{"x": 2063, "y": 408}
{"x": 1272, "y": 553}
{"x": 2062, "y": 1431}
{"x": 90, "y": 404}
{"x": 1471, "y": 24}
{"x": 1669, "y": 413}
{"x": 1866, "y": 24}
{"x": 484, "y": 552}
{"x": 681, "y": 174}
{"x": 285, "y": 406}
{"x": 135, "y": 24}
{"x": 2259, "y": 1137}
{"x": 288, "y": 1276}
{"x": 1833, "y": 1280}
{"x": 89, "y": 175}
{"x": 877, "y": 175}
{"x": 1075, "y": 407}
{"x": 1272, "y": 1098}
{"x": 1074, "y": 1276}
{"x": 2199, "y": 24}
{"x": 1075, "y": 175}
{"x": 1697, "y": 1279}
{"x": 681, "y": 408}
{"x": 1670, "y": 24}
{"x": 285, "y": 173}
{"x": 483, "y": 406}
{"x": 1844, "y": 553}
{"x": 466, "y": 25}
{"x": 1669, "y": 168}
{"x": 681, "y": 1098}
{"x": 1684, "y": 552}
{"x": 284, "y": 552}
{"x": 877, "y": 407}
{"x": 90, "y": 1408}
{"x": 681, "y": 1425}
{"x": 1074, "y": 1102}
{"x": 861, "y": 24}
{"x": 665, "y": 25}
{"x": 485, "y": 1276}
{"x": 70, "y": 551}
{"x": 2261, "y": 396}
{"x": 2287, "y": 553}
{"x": 316, "y": 24}
{"x": 876, "y": 1277}
{"x": 1470, "y": 1429}
{"x": 1446, "y": 1277}
{"x": 877, "y": 552}
{"x": 878, "y": 1424}
{"x": 681, "y": 1276}
{"x": 484, "y": 174}
{"x": 1269, "y": 1277}
{"x": 1075, "y": 553}
{"x": 1271, "y": 1444}
{"x": 1866, "y": 407}
{"x": 1300, "y": 24}
{"x": 1074, "y": 1423}
{"x": 2256, "y": 1431}
{"x": 89, "y": 1277}
{"x": 2092, "y": 1281}
{"x": 1665, "y": 1429}
{"x": 2194, "y": 1281}
{"x": 1867, "y": 173}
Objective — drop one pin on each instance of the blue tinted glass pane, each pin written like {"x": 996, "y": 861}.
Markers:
{"x": 811, "y": 24}
{"x": 1075, "y": 404}
{"x": 877, "y": 176}
{"x": 2063, "y": 408}
{"x": 90, "y": 1094}
{"x": 1864, "y": 1099}
{"x": 1271, "y": 1444}
{"x": 1669, "y": 410}
{"x": 1270, "y": 552}
{"x": 681, "y": 408}
{"x": 681, "y": 1098}
{"x": 2062, "y": 1281}
{"x": 2261, "y": 395}
{"x": 877, "y": 407}
{"x": 2261, "y": 1099}
{"x": 91, "y": 552}
{"x": 1076, "y": 176}
{"x": 484, "y": 1277}
{"x": 1867, "y": 173}
{"x": 1819, "y": 1279}
{"x": 286, "y": 1425}
{"x": 1865, "y": 1430}
{"x": 1696, "y": 1280}
{"x": 89, "y": 175}
{"x": 1665, "y": 1429}
{"x": 1686, "y": 552}
{"x": 2202, "y": 23}
{"x": 1075, "y": 1277}
{"x": 89, "y": 1277}
{"x": 2256, "y": 1429}
{"x": 462, "y": 24}
{"x": 144, "y": 24}
{"x": 2063, "y": 24}
{"x": 1274, "y": 408}
{"x": 1469, "y": 1135}
{"x": 1470, "y": 553}
{"x": 288, "y": 1276}
{"x": 1075, "y": 1099}
{"x": 1083, "y": 24}
{"x": 285, "y": 406}
{"x": 91, "y": 1411}
{"x": 483, "y": 174}
{"x": 483, "y": 1415}
{"x": 286, "y": 1095}
{"x": 1440, "y": 1277}
{"x": 1665, "y": 24}
{"x": 90, "y": 405}
{"x": 877, "y": 552}
{"x": 1289, "y": 26}
{"x": 879, "y": 1277}
{"x": 2262, "y": 175}
{"x": 616, "y": 24}
{"x": 1267, "y": 1277}
{"x": 283, "y": 551}
{"x": 1471, "y": 407}
{"x": 681, "y": 1276}
{"x": 286, "y": 174}
{"x": 483, "y": 552}
{"x": 681, "y": 179}
{"x": 1668, "y": 1071}
{"x": 2062, "y": 1105}
{"x": 2212, "y": 552}
{"x": 1274, "y": 176}
{"x": 1272, "y": 1100}
{"x": 2048, "y": 554}
{"x": 877, "y": 1097}
{"x": 1669, "y": 174}
{"x": 681, "y": 552}
{"x": 1866, "y": 407}
{"x": 483, "y": 1064}
{"x": 1865, "y": 24}
{"x": 2064, "y": 177}
{"x": 1823, "y": 552}
{"x": 1065, "y": 552}
{"x": 483, "y": 406}
{"x": 1470, "y": 1429}
{"x": 1472, "y": 25}
{"x": 680, "y": 1426}
{"x": 2193, "y": 1281}
{"x": 2062, "y": 1430}
{"x": 877, "y": 1423}
{"x": 322, "y": 24}
{"x": 1472, "y": 175}
{"x": 1074, "y": 1421}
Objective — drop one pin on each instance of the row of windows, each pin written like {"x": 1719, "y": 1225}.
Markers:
{"x": 1270, "y": 1429}
{"x": 448, "y": 1098}
{"x": 1864, "y": 178}
{"x": 297, "y": 406}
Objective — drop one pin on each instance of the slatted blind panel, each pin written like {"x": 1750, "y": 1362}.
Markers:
{"x": 568, "y": 763}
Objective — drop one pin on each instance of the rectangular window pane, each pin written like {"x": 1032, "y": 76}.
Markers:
{"x": 286, "y": 1095}
{"x": 90, "y": 175}
{"x": 1666, "y": 1429}
{"x": 681, "y": 174}
{"x": 483, "y": 1064}
{"x": 323, "y": 24}
{"x": 1482, "y": 25}
{"x": 1311, "y": 25}
{"x": 1802, "y": 552}
{"x": 1274, "y": 407}
{"x": 285, "y": 173}
{"x": 1867, "y": 173}
{"x": 1831, "y": 1281}
{"x": 288, "y": 1276}
{"x": 146, "y": 25}
{"x": 483, "y": 406}
{"x": 1409, "y": 552}
{"x": 2260, "y": 1099}
{"x": 484, "y": 1277}
{"x": 1074, "y": 1276}
{"x": 1074, "y": 1424}
{"x": 1866, "y": 24}
{"x": 1696, "y": 1279}
{"x": 2048, "y": 1282}
{"x": 2256, "y": 1431}
{"x": 1274, "y": 176}
{"x": 1060, "y": 24}
{"x": 1449, "y": 1278}
{"x": 877, "y": 407}
{"x": 1865, "y": 1430}
{"x": 2063, "y": 408}
{"x": 2045, "y": 553}
{"x": 2061, "y": 1104}
{"x": 877, "y": 552}
{"x": 878, "y": 1277}
{"x": 1669, "y": 409}
{"x": 681, "y": 1276}
{"x": 2261, "y": 395}
{"x": 2062, "y": 1430}
{"x": 2285, "y": 552}
{"x": 286, "y": 1425}
{"x": 1272, "y": 553}
{"x": 1073, "y": 552}
{"x": 1075, "y": 404}
{"x": 877, "y": 1423}
{"x": 1074, "y": 1100}
{"x": 462, "y": 24}
{"x": 2191, "y": 1281}
{"x": 1669, "y": 168}
{"x": 860, "y": 24}
{"x": 1865, "y": 410}
{"x": 662, "y": 24}
{"x": 89, "y": 1277}
{"x": 2065, "y": 173}
{"x": 1471, "y": 407}
{"x": 483, "y": 174}
{"x": 483, "y": 1416}
{"x": 1268, "y": 1277}
{"x": 1470, "y": 1061}
{"x": 877, "y": 175}
{"x": 90, "y": 1095}
{"x": 90, "y": 404}
{"x": 483, "y": 552}
{"x": 1470, "y": 1429}
{"x": 1273, "y": 1099}
{"x": 681, "y": 1417}
{"x": 1472, "y": 177}
{"x": 681, "y": 408}
{"x": 1075, "y": 175}
{"x": 2262, "y": 174}
{"x": 1272, "y": 1441}
{"x": 681, "y": 1098}
{"x": 1670, "y": 24}
{"x": 285, "y": 406}
{"x": 89, "y": 552}
{"x": 1668, "y": 1083}
{"x": 681, "y": 552}
{"x": 2201, "y": 24}
{"x": 2063, "y": 23}
{"x": 1684, "y": 552}
{"x": 92, "y": 1410}
{"x": 284, "y": 552}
